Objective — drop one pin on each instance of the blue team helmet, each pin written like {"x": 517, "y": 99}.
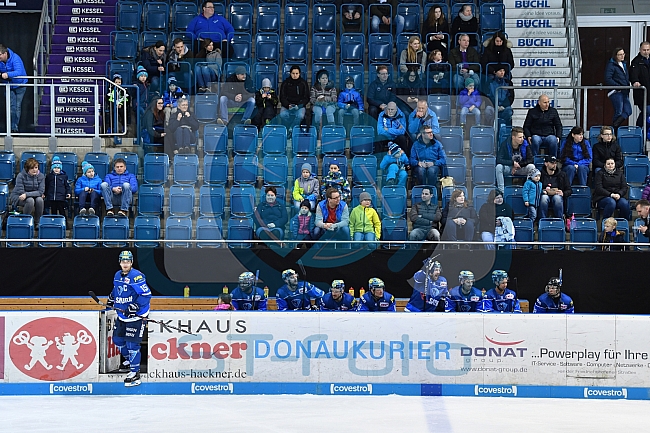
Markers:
{"x": 246, "y": 279}
{"x": 288, "y": 273}
{"x": 375, "y": 283}
{"x": 338, "y": 285}
{"x": 126, "y": 255}
{"x": 498, "y": 276}
{"x": 465, "y": 276}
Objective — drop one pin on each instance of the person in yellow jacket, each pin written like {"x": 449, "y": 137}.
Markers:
{"x": 364, "y": 222}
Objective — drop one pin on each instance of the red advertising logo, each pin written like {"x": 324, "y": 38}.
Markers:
{"x": 52, "y": 349}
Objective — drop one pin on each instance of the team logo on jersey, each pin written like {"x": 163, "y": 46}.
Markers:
{"x": 127, "y": 280}
{"x": 510, "y": 296}
{"x": 465, "y": 308}
{"x": 247, "y": 306}
{"x": 52, "y": 349}
{"x": 138, "y": 278}
{"x": 384, "y": 304}
{"x": 474, "y": 298}
{"x": 501, "y": 306}
{"x": 296, "y": 303}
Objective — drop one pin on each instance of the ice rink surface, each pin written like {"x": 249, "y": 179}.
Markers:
{"x": 315, "y": 414}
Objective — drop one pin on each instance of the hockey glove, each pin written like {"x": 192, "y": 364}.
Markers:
{"x": 314, "y": 307}
{"x": 111, "y": 300}
{"x": 131, "y": 310}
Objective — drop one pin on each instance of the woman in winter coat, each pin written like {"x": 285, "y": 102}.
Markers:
{"x": 183, "y": 125}
{"x": 606, "y": 147}
{"x": 617, "y": 74}
{"x": 411, "y": 89}
{"x": 153, "y": 123}
{"x": 210, "y": 69}
{"x": 465, "y": 22}
{"x": 497, "y": 50}
{"x": 271, "y": 216}
{"x": 323, "y": 98}
{"x": 413, "y": 56}
{"x": 494, "y": 207}
{"x": 30, "y": 190}
{"x": 435, "y": 29}
{"x": 610, "y": 191}
{"x": 458, "y": 218}
{"x": 576, "y": 155}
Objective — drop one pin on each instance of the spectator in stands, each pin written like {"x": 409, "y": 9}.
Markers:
{"x": 88, "y": 189}
{"x": 543, "y": 126}
{"x": 57, "y": 188}
{"x": 606, "y": 147}
{"x": 116, "y": 102}
{"x": 118, "y": 188}
{"x": 294, "y": 98}
{"x": 153, "y": 123}
{"x": 492, "y": 215}
{"x": 514, "y": 157}
{"x": 352, "y": 19}
{"x": 610, "y": 189}
{"x": 435, "y": 29}
{"x": 380, "y": 19}
{"x": 410, "y": 89}
{"x": 11, "y": 67}
{"x": 497, "y": 52}
{"x": 154, "y": 60}
{"x": 428, "y": 158}
{"x": 381, "y": 91}
{"x": 610, "y": 236}
{"x": 266, "y": 103}
{"x": 142, "y": 98}
{"x": 332, "y": 217}
{"x": 438, "y": 73}
{"x": 555, "y": 188}
{"x": 323, "y": 98}
{"x": 171, "y": 97}
{"x": 506, "y": 96}
{"x": 423, "y": 116}
{"x": 237, "y": 91}
{"x": 306, "y": 187}
{"x": 532, "y": 193}
{"x": 184, "y": 125}
{"x": 468, "y": 59}
{"x": 458, "y": 218}
{"x": 302, "y": 224}
{"x": 337, "y": 180}
{"x": 617, "y": 74}
{"x": 271, "y": 216}
{"x": 29, "y": 191}
{"x": 391, "y": 126}
{"x": 576, "y": 156}
{"x": 413, "y": 57}
{"x": 179, "y": 53}
{"x": 350, "y": 102}
{"x": 470, "y": 100}
{"x": 640, "y": 76}
{"x": 465, "y": 22}
{"x": 643, "y": 209}
{"x": 394, "y": 164}
{"x": 425, "y": 217}
{"x": 210, "y": 25}
{"x": 209, "y": 70}
{"x": 364, "y": 222}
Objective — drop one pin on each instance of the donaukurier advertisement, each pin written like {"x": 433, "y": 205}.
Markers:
{"x": 443, "y": 348}
{"x": 49, "y": 346}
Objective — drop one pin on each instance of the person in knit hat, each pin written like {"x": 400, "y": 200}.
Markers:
{"x": 305, "y": 188}
{"x": 336, "y": 179}
{"x": 142, "y": 96}
{"x": 57, "y": 188}
{"x": 395, "y": 164}
{"x": 532, "y": 193}
{"x": 302, "y": 225}
{"x": 266, "y": 103}
{"x": 365, "y": 224}
{"x": 171, "y": 97}
{"x": 88, "y": 189}
{"x": 469, "y": 100}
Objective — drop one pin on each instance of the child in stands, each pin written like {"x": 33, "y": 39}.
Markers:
{"x": 57, "y": 188}
{"x": 88, "y": 189}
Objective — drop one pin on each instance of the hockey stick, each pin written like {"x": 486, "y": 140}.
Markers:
{"x": 304, "y": 282}
{"x": 254, "y": 289}
{"x": 560, "y": 278}
{"x": 96, "y": 299}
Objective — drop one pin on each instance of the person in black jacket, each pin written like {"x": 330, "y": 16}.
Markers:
{"x": 494, "y": 207}
{"x": 610, "y": 191}
{"x": 380, "y": 92}
{"x": 555, "y": 188}
{"x": 465, "y": 22}
{"x": 237, "y": 91}
{"x": 435, "y": 31}
{"x": 154, "y": 60}
{"x": 57, "y": 188}
{"x": 640, "y": 76}
{"x": 294, "y": 98}
{"x": 606, "y": 147}
{"x": 458, "y": 218}
{"x": 497, "y": 50}
{"x": 183, "y": 126}
{"x": 610, "y": 236}
{"x": 266, "y": 102}
{"x": 543, "y": 126}
{"x": 617, "y": 74}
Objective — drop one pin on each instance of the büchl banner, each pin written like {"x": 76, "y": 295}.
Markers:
{"x": 48, "y": 346}
{"x": 451, "y": 348}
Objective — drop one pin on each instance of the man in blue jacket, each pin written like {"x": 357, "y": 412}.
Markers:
{"x": 11, "y": 66}
{"x": 118, "y": 188}
{"x": 428, "y": 158}
{"x": 213, "y": 26}
{"x": 391, "y": 126}
{"x": 422, "y": 116}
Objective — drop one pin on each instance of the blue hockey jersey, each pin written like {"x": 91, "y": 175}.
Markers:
{"x": 436, "y": 292}
{"x": 546, "y": 304}
{"x": 505, "y": 303}
{"x": 472, "y": 302}
{"x": 368, "y": 302}
{"x": 253, "y": 300}
{"x": 299, "y": 299}
{"x": 346, "y": 303}
{"x": 129, "y": 289}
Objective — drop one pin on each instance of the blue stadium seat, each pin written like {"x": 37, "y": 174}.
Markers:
{"x": 637, "y": 167}
{"x": 579, "y": 202}
{"x": 182, "y": 13}
{"x": 241, "y": 17}
{"x": 394, "y": 229}
{"x": 245, "y": 139}
{"x": 441, "y": 105}
{"x": 210, "y": 230}
{"x": 364, "y": 170}
{"x": 262, "y": 70}
{"x": 123, "y": 67}
{"x": 357, "y": 72}
{"x": 438, "y": 78}
{"x": 594, "y": 133}
{"x": 206, "y": 106}
{"x": 631, "y": 140}
{"x": 178, "y": 229}
{"x": 85, "y": 227}
{"x": 524, "y": 232}
{"x": 241, "y": 47}
{"x": 451, "y": 138}
{"x": 124, "y": 45}
{"x": 240, "y": 229}
{"x": 7, "y": 166}
{"x": 215, "y": 169}
{"x": 4, "y": 196}
{"x": 299, "y": 160}
{"x": 215, "y": 139}
{"x": 584, "y": 230}
{"x": 295, "y": 48}
{"x": 242, "y": 200}
{"x": 514, "y": 196}
{"x": 40, "y": 157}
{"x": 156, "y": 168}
{"x": 186, "y": 168}
{"x": 324, "y": 18}
{"x": 353, "y": 47}
{"x": 267, "y": 47}
{"x": 393, "y": 202}
{"x": 51, "y": 227}
{"x": 245, "y": 169}
{"x": 149, "y": 38}
{"x": 146, "y": 228}
{"x": 131, "y": 159}
{"x": 480, "y": 196}
{"x": 380, "y": 48}
{"x": 323, "y": 48}
{"x": 181, "y": 200}
{"x": 339, "y": 160}
{"x": 303, "y": 140}
{"x": 411, "y": 14}
{"x": 457, "y": 168}
{"x": 212, "y": 200}
{"x": 362, "y": 140}
{"x": 483, "y": 170}
{"x": 481, "y": 140}
{"x": 296, "y": 18}
{"x": 274, "y": 139}
{"x": 156, "y": 16}
{"x": 491, "y": 18}
{"x": 268, "y": 18}
{"x": 20, "y": 227}
{"x": 100, "y": 161}
{"x": 275, "y": 169}
{"x": 358, "y": 189}
{"x": 150, "y": 199}
{"x": 333, "y": 140}
{"x": 551, "y": 230}
{"x": 115, "y": 228}
{"x": 416, "y": 194}
{"x": 129, "y": 15}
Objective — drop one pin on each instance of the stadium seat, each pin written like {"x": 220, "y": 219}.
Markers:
{"x": 40, "y": 157}
{"x": 394, "y": 229}
{"x": 262, "y": 70}
{"x": 245, "y": 169}
{"x": 295, "y": 48}
{"x": 491, "y": 17}
{"x": 324, "y": 18}
{"x": 100, "y": 161}
{"x": 411, "y": 14}
{"x": 215, "y": 139}
{"x": 240, "y": 229}
{"x": 438, "y": 78}
{"x": 481, "y": 140}
{"x": 274, "y": 139}
{"x": 212, "y": 200}
{"x": 20, "y": 227}
{"x": 441, "y": 105}
{"x": 380, "y": 48}
{"x": 303, "y": 140}
{"x": 514, "y": 196}
{"x": 416, "y": 194}
{"x": 296, "y": 18}
{"x": 622, "y": 225}
{"x": 583, "y": 230}
{"x": 594, "y": 133}
{"x": 146, "y": 228}
{"x": 210, "y": 230}
{"x": 275, "y": 169}
{"x": 4, "y": 196}
{"x": 241, "y": 47}
{"x": 156, "y": 168}
{"x": 364, "y": 170}
{"x": 457, "y": 168}
{"x": 579, "y": 202}
{"x": 299, "y": 160}
{"x": 149, "y": 38}
{"x": 129, "y": 15}
{"x": 339, "y": 160}
{"x": 242, "y": 200}
{"x": 637, "y": 167}
{"x": 523, "y": 232}
{"x": 131, "y": 159}
{"x": 551, "y": 230}
{"x": 51, "y": 227}
{"x": 181, "y": 200}
{"x": 245, "y": 139}
{"x": 241, "y": 17}
{"x": 268, "y": 18}
{"x": 206, "y": 106}
{"x": 480, "y": 196}
{"x": 631, "y": 140}
{"x": 182, "y": 13}
{"x": 123, "y": 67}
{"x": 357, "y": 190}
{"x": 333, "y": 140}
{"x": 362, "y": 140}
{"x": 393, "y": 202}
{"x": 267, "y": 47}
{"x": 323, "y": 48}
{"x": 352, "y": 46}
{"x": 124, "y": 45}
{"x": 156, "y": 16}
{"x": 150, "y": 199}
{"x": 483, "y": 170}
{"x": 178, "y": 229}
{"x": 215, "y": 169}
{"x": 186, "y": 168}
{"x": 451, "y": 138}
{"x": 85, "y": 227}
{"x": 115, "y": 228}
{"x": 7, "y": 166}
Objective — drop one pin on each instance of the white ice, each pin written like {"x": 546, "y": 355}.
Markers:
{"x": 315, "y": 414}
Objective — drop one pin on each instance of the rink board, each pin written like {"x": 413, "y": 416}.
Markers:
{"x": 457, "y": 354}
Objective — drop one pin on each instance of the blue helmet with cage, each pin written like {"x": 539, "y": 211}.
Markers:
{"x": 498, "y": 276}
{"x": 246, "y": 280}
{"x": 126, "y": 255}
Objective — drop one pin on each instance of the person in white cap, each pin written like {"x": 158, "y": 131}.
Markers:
{"x": 266, "y": 103}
